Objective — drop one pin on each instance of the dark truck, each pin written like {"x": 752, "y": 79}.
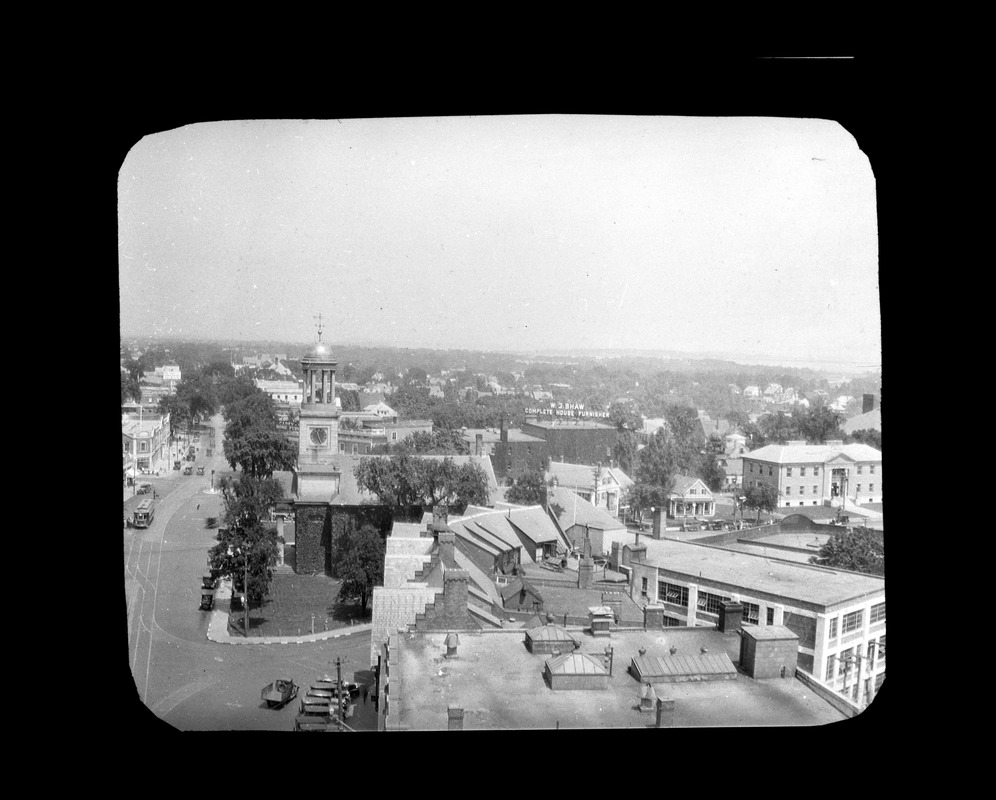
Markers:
{"x": 279, "y": 693}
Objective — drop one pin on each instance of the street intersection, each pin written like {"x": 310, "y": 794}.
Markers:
{"x": 180, "y": 676}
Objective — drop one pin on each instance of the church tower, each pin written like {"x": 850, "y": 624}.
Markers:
{"x": 318, "y": 441}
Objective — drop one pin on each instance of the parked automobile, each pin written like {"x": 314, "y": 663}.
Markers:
{"x": 200, "y": 470}
{"x": 280, "y": 692}
{"x": 188, "y": 471}
{"x": 144, "y": 488}
{"x": 689, "y": 527}
{"x": 176, "y": 465}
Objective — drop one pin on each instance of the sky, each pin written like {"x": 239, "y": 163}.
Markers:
{"x": 750, "y": 236}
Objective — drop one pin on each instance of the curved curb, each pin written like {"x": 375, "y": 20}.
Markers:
{"x": 218, "y": 632}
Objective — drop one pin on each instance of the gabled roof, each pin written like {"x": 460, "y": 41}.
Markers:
{"x": 683, "y": 483}
{"x": 813, "y": 453}
{"x": 535, "y": 524}
{"x": 576, "y": 510}
{"x": 576, "y": 664}
{"x": 572, "y": 476}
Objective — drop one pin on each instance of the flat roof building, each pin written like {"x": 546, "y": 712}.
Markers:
{"x": 494, "y": 682}
{"x": 839, "y": 616}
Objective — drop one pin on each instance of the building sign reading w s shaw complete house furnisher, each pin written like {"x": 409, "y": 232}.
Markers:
{"x": 566, "y": 410}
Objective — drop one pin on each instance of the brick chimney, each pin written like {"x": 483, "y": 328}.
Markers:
{"x": 730, "y": 617}
{"x": 440, "y": 516}
{"x": 867, "y": 403}
{"x": 454, "y": 718}
{"x": 479, "y": 444}
{"x": 447, "y": 542}
{"x": 504, "y": 430}
{"x": 455, "y": 593}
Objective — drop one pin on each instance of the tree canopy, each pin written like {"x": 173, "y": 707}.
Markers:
{"x": 253, "y": 440}
{"x": 358, "y": 562}
{"x": 243, "y": 541}
{"x": 404, "y": 480}
{"x": 860, "y": 550}
{"x": 761, "y": 497}
{"x": 529, "y": 489}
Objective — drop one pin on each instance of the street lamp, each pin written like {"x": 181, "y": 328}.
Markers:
{"x": 742, "y": 498}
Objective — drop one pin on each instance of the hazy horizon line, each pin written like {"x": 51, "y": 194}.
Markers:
{"x": 614, "y": 352}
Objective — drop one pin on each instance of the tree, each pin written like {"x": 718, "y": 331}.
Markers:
{"x": 231, "y": 390}
{"x": 529, "y": 489}
{"x": 130, "y": 389}
{"x": 178, "y": 410}
{"x": 223, "y": 369}
{"x": 778, "y": 428}
{"x": 644, "y": 497}
{"x": 358, "y": 562}
{"x": 404, "y": 481}
{"x": 136, "y": 368}
{"x": 762, "y": 497}
{"x": 711, "y": 473}
{"x": 868, "y": 436}
{"x": 253, "y": 440}
{"x": 626, "y": 451}
{"x": 350, "y": 399}
{"x": 860, "y": 550}
{"x": 819, "y": 424}
{"x": 245, "y": 546}
{"x": 658, "y": 462}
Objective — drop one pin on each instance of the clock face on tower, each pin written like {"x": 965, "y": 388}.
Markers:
{"x": 319, "y": 436}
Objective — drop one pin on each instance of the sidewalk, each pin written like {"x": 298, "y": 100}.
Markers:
{"x": 218, "y": 627}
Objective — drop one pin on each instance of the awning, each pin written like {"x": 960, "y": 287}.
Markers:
{"x": 130, "y": 472}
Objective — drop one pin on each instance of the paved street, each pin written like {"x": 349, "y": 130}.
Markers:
{"x": 185, "y": 679}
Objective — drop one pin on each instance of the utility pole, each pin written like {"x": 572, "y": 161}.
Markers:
{"x": 338, "y": 689}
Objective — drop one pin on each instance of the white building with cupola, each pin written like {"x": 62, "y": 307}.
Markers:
{"x": 318, "y": 436}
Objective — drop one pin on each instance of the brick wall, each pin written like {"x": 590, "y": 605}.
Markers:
{"x": 575, "y": 446}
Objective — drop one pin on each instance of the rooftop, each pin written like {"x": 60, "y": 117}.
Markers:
{"x": 570, "y": 423}
{"x": 500, "y": 685}
{"x": 574, "y": 510}
{"x": 820, "y": 586}
{"x": 491, "y": 435}
{"x": 813, "y": 453}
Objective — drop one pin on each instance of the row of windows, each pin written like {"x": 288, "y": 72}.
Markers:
{"x": 877, "y": 613}
{"x": 668, "y": 593}
{"x": 852, "y": 621}
{"x": 752, "y": 613}
{"x": 710, "y": 603}
{"x": 802, "y": 470}
{"x": 802, "y": 489}
{"x": 846, "y": 661}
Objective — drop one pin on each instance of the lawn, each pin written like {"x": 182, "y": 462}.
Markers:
{"x": 293, "y": 599}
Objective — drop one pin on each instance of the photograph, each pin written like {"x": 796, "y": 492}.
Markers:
{"x": 501, "y": 422}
